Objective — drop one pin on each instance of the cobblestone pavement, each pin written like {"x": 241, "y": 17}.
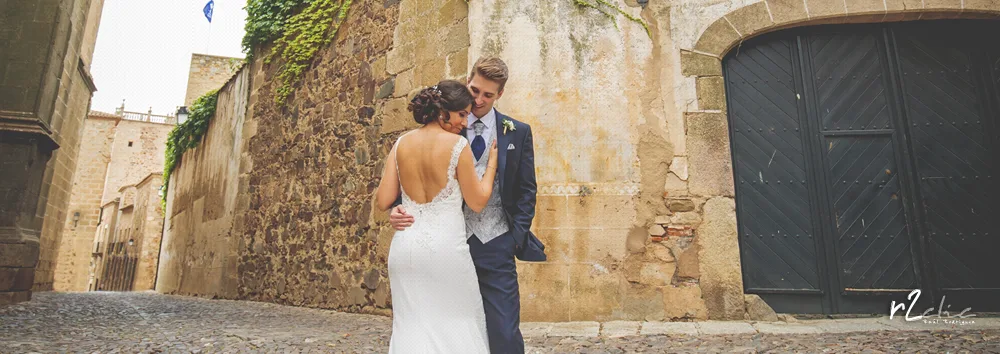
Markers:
{"x": 148, "y": 322}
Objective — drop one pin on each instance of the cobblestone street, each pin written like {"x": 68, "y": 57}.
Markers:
{"x": 148, "y": 322}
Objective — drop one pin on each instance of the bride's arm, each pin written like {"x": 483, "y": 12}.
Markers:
{"x": 475, "y": 192}
{"x": 388, "y": 187}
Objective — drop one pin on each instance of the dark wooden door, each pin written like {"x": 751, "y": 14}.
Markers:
{"x": 839, "y": 194}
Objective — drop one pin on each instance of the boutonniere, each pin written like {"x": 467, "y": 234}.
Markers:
{"x": 507, "y": 124}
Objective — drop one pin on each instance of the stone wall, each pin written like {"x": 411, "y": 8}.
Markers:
{"x": 199, "y": 251}
{"x": 72, "y": 271}
{"x": 309, "y": 236}
{"x": 207, "y": 73}
{"x": 45, "y": 89}
{"x": 147, "y": 226}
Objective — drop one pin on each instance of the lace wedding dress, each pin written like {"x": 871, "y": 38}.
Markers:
{"x": 436, "y": 303}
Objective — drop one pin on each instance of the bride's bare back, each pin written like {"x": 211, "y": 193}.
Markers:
{"x": 422, "y": 158}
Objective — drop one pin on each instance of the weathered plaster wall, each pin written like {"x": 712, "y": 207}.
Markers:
{"x": 199, "y": 254}
{"x": 147, "y": 230}
{"x": 601, "y": 121}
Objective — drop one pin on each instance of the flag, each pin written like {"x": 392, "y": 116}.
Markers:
{"x": 209, "y": 8}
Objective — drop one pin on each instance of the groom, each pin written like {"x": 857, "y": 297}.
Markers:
{"x": 500, "y": 232}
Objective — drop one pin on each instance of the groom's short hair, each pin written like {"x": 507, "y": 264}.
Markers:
{"x": 491, "y": 68}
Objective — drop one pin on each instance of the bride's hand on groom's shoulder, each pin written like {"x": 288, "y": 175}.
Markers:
{"x": 399, "y": 219}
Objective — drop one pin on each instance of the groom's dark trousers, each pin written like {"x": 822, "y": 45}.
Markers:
{"x": 498, "y": 283}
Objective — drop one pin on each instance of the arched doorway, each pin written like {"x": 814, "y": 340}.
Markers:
{"x": 865, "y": 165}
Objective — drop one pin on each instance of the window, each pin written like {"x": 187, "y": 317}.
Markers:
{"x": 130, "y": 144}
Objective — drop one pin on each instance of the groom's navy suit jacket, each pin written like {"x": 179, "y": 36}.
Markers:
{"x": 516, "y": 170}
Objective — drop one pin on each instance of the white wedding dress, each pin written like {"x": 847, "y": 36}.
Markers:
{"x": 436, "y": 303}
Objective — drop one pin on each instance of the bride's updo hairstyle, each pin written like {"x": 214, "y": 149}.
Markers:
{"x": 447, "y": 96}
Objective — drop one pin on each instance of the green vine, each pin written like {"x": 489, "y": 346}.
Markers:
{"x": 266, "y": 21}
{"x": 304, "y": 34}
{"x": 605, "y": 3}
{"x": 187, "y": 135}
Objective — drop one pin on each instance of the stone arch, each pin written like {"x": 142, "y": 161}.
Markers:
{"x": 706, "y": 128}
{"x": 703, "y": 61}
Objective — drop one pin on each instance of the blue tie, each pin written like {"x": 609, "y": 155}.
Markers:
{"x": 478, "y": 143}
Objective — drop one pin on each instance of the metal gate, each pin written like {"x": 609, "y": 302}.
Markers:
{"x": 863, "y": 158}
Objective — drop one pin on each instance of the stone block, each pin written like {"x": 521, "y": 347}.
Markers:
{"x": 675, "y": 187}
{"x": 724, "y": 327}
{"x": 785, "y": 328}
{"x": 787, "y": 11}
{"x": 395, "y": 117}
{"x": 637, "y": 238}
{"x": 711, "y": 93}
{"x": 551, "y": 212}
{"x": 386, "y": 89}
{"x": 13, "y": 297}
{"x": 592, "y": 211}
{"x": 750, "y": 19}
{"x": 656, "y": 273}
{"x": 982, "y": 5}
{"x": 544, "y": 289}
{"x": 695, "y": 64}
{"x": 717, "y": 38}
{"x": 825, "y": 8}
{"x": 404, "y": 83}
{"x": 669, "y": 328}
{"x": 680, "y": 205}
{"x": 688, "y": 218}
{"x": 536, "y": 329}
{"x": 721, "y": 279}
{"x": 456, "y": 38}
{"x": 452, "y": 11}
{"x": 642, "y": 302}
{"x": 430, "y": 72}
{"x": 400, "y": 58}
{"x": 657, "y": 230}
{"x": 618, "y": 329}
{"x": 595, "y": 292}
{"x": 662, "y": 253}
{"x": 662, "y": 220}
{"x": 758, "y": 310}
{"x": 955, "y": 5}
{"x": 18, "y": 254}
{"x": 24, "y": 279}
{"x": 904, "y": 5}
{"x": 584, "y": 245}
{"x": 855, "y": 7}
{"x": 458, "y": 63}
{"x": 709, "y": 155}
{"x": 575, "y": 329}
{"x": 683, "y": 302}
{"x": 687, "y": 263}
{"x": 7, "y": 277}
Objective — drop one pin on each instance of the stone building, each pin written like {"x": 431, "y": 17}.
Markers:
{"x": 696, "y": 159}
{"x": 45, "y": 88}
{"x": 123, "y": 152}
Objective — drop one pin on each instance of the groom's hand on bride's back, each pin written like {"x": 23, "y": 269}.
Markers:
{"x": 399, "y": 219}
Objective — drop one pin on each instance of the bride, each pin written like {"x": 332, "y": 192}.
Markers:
{"x": 437, "y": 306}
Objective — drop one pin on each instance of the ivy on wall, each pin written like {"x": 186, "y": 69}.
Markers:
{"x": 188, "y": 134}
{"x": 305, "y": 33}
{"x": 297, "y": 35}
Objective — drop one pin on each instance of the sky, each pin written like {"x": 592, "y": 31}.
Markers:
{"x": 144, "y": 49}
